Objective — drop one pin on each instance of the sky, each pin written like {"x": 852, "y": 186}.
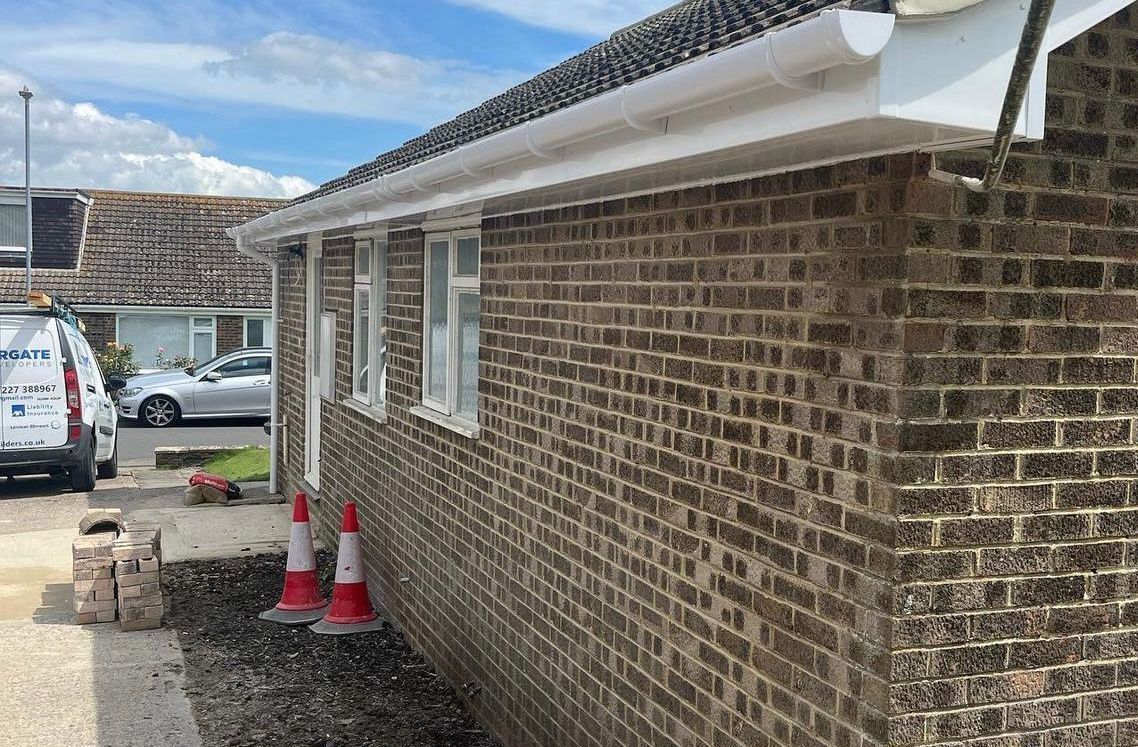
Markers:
{"x": 260, "y": 97}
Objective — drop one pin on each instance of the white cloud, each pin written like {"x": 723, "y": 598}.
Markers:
{"x": 77, "y": 145}
{"x": 282, "y": 70}
{"x": 590, "y": 17}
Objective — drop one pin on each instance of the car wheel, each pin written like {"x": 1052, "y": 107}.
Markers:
{"x": 160, "y": 412}
{"x": 84, "y": 474}
{"x": 110, "y": 468}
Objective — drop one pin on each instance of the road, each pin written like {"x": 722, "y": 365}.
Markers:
{"x": 136, "y": 442}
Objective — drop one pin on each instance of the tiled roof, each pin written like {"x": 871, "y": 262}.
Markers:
{"x": 148, "y": 249}
{"x": 676, "y": 35}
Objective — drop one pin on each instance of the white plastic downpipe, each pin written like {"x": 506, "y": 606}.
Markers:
{"x": 275, "y": 382}
{"x": 795, "y": 57}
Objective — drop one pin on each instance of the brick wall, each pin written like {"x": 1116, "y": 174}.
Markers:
{"x": 839, "y": 457}
{"x": 1017, "y": 605}
{"x": 675, "y": 527}
{"x": 230, "y": 333}
{"x": 100, "y": 328}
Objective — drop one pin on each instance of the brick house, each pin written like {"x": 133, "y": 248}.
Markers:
{"x": 684, "y": 407}
{"x": 152, "y": 270}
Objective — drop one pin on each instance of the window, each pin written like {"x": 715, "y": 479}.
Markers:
{"x": 14, "y": 227}
{"x": 204, "y": 331}
{"x": 369, "y": 339}
{"x": 450, "y": 332}
{"x": 162, "y": 340}
{"x": 258, "y": 366}
{"x": 258, "y": 332}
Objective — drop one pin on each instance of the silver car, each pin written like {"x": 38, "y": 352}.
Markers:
{"x": 232, "y": 385}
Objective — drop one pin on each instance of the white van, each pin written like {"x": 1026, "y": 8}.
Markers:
{"x": 56, "y": 413}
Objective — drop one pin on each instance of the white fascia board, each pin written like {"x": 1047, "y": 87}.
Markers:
{"x": 932, "y": 83}
{"x": 953, "y": 71}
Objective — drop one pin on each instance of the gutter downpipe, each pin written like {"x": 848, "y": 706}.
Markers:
{"x": 275, "y": 382}
{"x": 274, "y": 375}
{"x": 1034, "y": 29}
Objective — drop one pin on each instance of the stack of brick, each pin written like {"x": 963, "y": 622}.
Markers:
{"x": 137, "y": 554}
{"x": 94, "y": 586}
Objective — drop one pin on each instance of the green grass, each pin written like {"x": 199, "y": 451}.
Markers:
{"x": 249, "y": 464}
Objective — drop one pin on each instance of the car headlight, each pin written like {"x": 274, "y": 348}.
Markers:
{"x": 131, "y": 392}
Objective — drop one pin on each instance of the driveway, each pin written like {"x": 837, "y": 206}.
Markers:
{"x": 93, "y": 685}
{"x": 137, "y": 442}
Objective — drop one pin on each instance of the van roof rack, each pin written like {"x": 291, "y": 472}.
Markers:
{"x": 57, "y": 307}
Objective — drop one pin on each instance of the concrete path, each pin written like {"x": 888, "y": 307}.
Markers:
{"x": 92, "y": 685}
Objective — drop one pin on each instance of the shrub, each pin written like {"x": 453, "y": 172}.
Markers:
{"x": 117, "y": 360}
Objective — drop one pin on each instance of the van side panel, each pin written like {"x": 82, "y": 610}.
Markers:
{"x": 33, "y": 401}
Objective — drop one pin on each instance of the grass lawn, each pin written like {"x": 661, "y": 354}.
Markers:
{"x": 241, "y": 465}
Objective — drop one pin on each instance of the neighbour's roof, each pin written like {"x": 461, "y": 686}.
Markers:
{"x": 149, "y": 249}
{"x": 679, "y": 34}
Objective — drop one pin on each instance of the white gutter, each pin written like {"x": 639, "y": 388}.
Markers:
{"x": 794, "y": 57}
{"x": 275, "y": 384}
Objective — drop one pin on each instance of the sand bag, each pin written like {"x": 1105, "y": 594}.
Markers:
{"x": 230, "y": 488}
{"x": 196, "y": 494}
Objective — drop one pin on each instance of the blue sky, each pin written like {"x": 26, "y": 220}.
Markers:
{"x": 260, "y": 97}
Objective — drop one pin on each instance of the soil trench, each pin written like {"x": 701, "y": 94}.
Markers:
{"x": 252, "y": 682}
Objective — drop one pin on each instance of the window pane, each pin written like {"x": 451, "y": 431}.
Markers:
{"x": 154, "y": 336}
{"x": 14, "y": 226}
{"x": 363, "y": 259}
{"x": 245, "y": 367}
{"x": 255, "y": 333}
{"x": 438, "y": 333}
{"x": 380, "y": 285}
{"x": 467, "y": 256}
{"x": 468, "y": 355}
{"x": 203, "y": 346}
{"x": 203, "y": 322}
{"x": 360, "y": 326}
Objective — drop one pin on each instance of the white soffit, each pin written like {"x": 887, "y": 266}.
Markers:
{"x": 845, "y": 85}
{"x": 931, "y": 7}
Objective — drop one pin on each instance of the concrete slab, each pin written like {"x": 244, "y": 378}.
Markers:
{"x": 209, "y": 531}
{"x": 90, "y": 686}
{"x": 93, "y": 685}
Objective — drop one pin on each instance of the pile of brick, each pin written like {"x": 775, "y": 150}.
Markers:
{"x": 92, "y": 575}
{"x": 138, "y": 576}
{"x": 117, "y": 571}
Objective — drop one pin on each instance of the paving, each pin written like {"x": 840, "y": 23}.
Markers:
{"x": 94, "y": 685}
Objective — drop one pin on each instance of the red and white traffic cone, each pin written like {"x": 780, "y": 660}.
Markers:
{"x": 351, "y": 610}
{"x": 301, "y": 601}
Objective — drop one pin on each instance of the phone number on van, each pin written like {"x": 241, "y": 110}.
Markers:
{"x": 28, "y": 389}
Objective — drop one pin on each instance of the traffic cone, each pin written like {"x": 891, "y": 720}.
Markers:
{"x": 351, "y": 610}
{"x": 301, "y": 602}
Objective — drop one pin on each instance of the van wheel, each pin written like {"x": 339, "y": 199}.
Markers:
{"x": 160, "y": 411}
{"x": 110, "y": 468}
{"x": 84, "y": 474}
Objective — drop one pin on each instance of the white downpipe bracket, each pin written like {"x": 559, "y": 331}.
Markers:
{"x": 794, "y": 57}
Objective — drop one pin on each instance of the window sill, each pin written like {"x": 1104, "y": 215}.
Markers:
{"x": 458, "y": 425}
{"x": 378, "y": 414}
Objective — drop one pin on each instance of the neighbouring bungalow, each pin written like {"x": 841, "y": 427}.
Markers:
{"x": 155, "y": 271}
{"x": 689, "y": 400}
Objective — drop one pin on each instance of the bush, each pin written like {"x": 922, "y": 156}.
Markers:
{"x": 117, "y": 360}
{"x": 176, "y": 361}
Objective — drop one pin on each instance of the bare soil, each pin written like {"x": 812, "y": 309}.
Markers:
{"x": 257, "y": 683}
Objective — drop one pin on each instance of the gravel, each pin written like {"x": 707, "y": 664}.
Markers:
{"x": 253, "y": 683}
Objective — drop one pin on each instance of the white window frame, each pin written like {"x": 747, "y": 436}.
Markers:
{"x": 211, "y": 330}
{"x": 372, "y": 281}
{"x": 266, "y": 330}
{"x": 456, "y": 285}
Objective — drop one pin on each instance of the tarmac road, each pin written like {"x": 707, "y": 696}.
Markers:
{"x": 137, "y": 442}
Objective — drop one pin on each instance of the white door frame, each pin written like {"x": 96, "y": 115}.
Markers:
{"x": 312, "y": 309}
